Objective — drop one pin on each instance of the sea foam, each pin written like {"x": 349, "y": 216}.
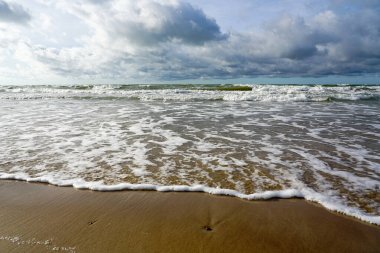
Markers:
{"x": 252, "y": 144}
{"x": 258, "y": 92}
{"x": 306, "y": 194}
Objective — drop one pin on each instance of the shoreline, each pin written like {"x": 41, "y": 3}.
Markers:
{"x": 267, "y": 195}
{"x": 38, "y": 217}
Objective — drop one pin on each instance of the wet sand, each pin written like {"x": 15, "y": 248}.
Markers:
{"x": 45, "y": 218}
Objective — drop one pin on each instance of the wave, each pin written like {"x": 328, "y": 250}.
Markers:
{"x": 193, "y": 92}
{"x": 305, "y": 193}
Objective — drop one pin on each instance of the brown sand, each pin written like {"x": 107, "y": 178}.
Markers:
{"x": 44, "y": 218}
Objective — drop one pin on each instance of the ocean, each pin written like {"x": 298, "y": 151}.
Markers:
{"x": 254, "y": 141}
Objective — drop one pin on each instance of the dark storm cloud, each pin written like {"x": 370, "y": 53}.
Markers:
{"x": 325, "y": 44}
{"x": 157, "y": 23}
{"x": 157, "y": 41}
{"x": 10, "y": 12}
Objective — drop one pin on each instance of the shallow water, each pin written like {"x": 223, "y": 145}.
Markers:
{"x": 317, "y": 142}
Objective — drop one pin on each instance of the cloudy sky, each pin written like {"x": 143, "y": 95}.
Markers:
{"x": 145, "y": 41}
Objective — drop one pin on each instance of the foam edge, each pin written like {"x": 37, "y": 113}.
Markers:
{"x": 305, "y": 193}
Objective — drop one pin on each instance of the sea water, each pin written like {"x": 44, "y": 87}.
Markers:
{"x": 318, "y": 142}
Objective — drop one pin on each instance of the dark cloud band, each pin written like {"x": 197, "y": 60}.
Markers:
{"x": 10, "y": 12}
{"x": 173, "y": 40}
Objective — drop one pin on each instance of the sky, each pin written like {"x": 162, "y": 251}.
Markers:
{"x": 193, "y": 41}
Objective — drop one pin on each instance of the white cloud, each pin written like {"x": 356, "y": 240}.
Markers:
{"x": 166, "y": 40}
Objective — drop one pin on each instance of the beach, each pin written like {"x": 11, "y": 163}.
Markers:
{"x": 318, "y": 142}
{"x": 189, "y": 126}
{"x": 189, "y": 168}
{"x": 38, "y": 217}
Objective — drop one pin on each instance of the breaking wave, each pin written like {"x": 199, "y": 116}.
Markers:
{"x": 182, "y": 92}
